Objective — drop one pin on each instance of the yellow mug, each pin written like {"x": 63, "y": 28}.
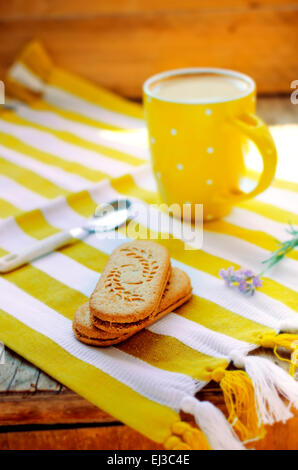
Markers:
{"x": 198, "y": 145}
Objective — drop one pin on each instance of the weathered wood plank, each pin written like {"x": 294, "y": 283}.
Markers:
{"x": 46, "y": 383}
{"x": 25, "y": 378}
{"x": 9, "y": 369}
{"x": 68, "y": 408}
{"x": 49, "y": 408}
{"x": 107, "y": 438}
{"x": 17, "y": 375}
{"x": 279, "y": 437}
{"x": 277, "y": 110}
{"x": 55, "y": 8}
{"x": 120, "y": 52}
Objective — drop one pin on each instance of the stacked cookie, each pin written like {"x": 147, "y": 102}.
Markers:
{"x": 137, "y": 287}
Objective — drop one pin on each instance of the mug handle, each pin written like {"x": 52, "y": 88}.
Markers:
{"x": 255, "y": 129}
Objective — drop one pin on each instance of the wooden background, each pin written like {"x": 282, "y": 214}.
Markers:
{"x": 119, "y": 43}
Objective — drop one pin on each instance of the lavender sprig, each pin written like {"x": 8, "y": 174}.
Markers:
{"x": 245, "y": 280}
{"x": 282, "y": 251}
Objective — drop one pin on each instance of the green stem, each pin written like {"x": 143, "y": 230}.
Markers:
{"x": 282, "y": 251}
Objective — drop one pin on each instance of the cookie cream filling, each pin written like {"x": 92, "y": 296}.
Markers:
{"x": 98, "y": 321}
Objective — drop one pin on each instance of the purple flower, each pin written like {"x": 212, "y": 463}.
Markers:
{"x": 257, "y": 281}
{"x": 243, "y": 279}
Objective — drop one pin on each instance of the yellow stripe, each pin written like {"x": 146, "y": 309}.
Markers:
{"x": 34, "y": 224}
{"x": 3, "y": 252}
{"x": 35, "y": 58}
{"x": 277, "y": 183}
{"x": 279, "y": 292}
{"x": 257, "y": 237}
{"x": 31, "y": 180}
{"x": 86, "y": 255}
{"x": 75, "y": 140}
{"x": 49, "y": 159}
{"x": 18, "y": 91}
{"x": 170, "y": 354}
{"x": 151, "y": 419}
{"x": 47, "y": 290}
{"x": 127, "y": 186}
{"x": 7, "y": 209}
{"x": 269, "y": 211}
{"x": 82, "y": 203}
{"x": 94, "y": 94}
{"x": 41, "y": 105}
{"x": 221, "y": 320}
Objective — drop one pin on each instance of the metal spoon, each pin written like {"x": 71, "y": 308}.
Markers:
{"x": 106, "y": 217}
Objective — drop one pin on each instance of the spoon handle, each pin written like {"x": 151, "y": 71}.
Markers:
{"x": 13, "y": 260}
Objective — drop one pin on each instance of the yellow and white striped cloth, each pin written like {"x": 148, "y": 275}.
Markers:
{"x": 68, "y": 146}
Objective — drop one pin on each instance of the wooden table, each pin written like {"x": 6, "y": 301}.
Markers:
{"x": 36, "y": 412}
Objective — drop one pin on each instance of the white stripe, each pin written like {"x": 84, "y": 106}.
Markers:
{"x": 60, "y": 267}
{"x": 18, "y": 195}
{"x": 68, "y": 271}
{"x": 282, "y": 198}
{"x": 252, "y": 221}
{"x": 121, "y": 141}
{"x": 198, "y": 337}
{"x": 23, "y": 75}
{"x": 59, "y": 214}
{"x": 250, "y": 256}
{"x": 56, "y": 175}
{"x": 259, "y": 308}
{"x": 164, "y": 387}
{"x": 49, "y": 143}
{"x": 65, "y": 100}
{"x": 133, "y": 141}
{"x": 144, "y": 178}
